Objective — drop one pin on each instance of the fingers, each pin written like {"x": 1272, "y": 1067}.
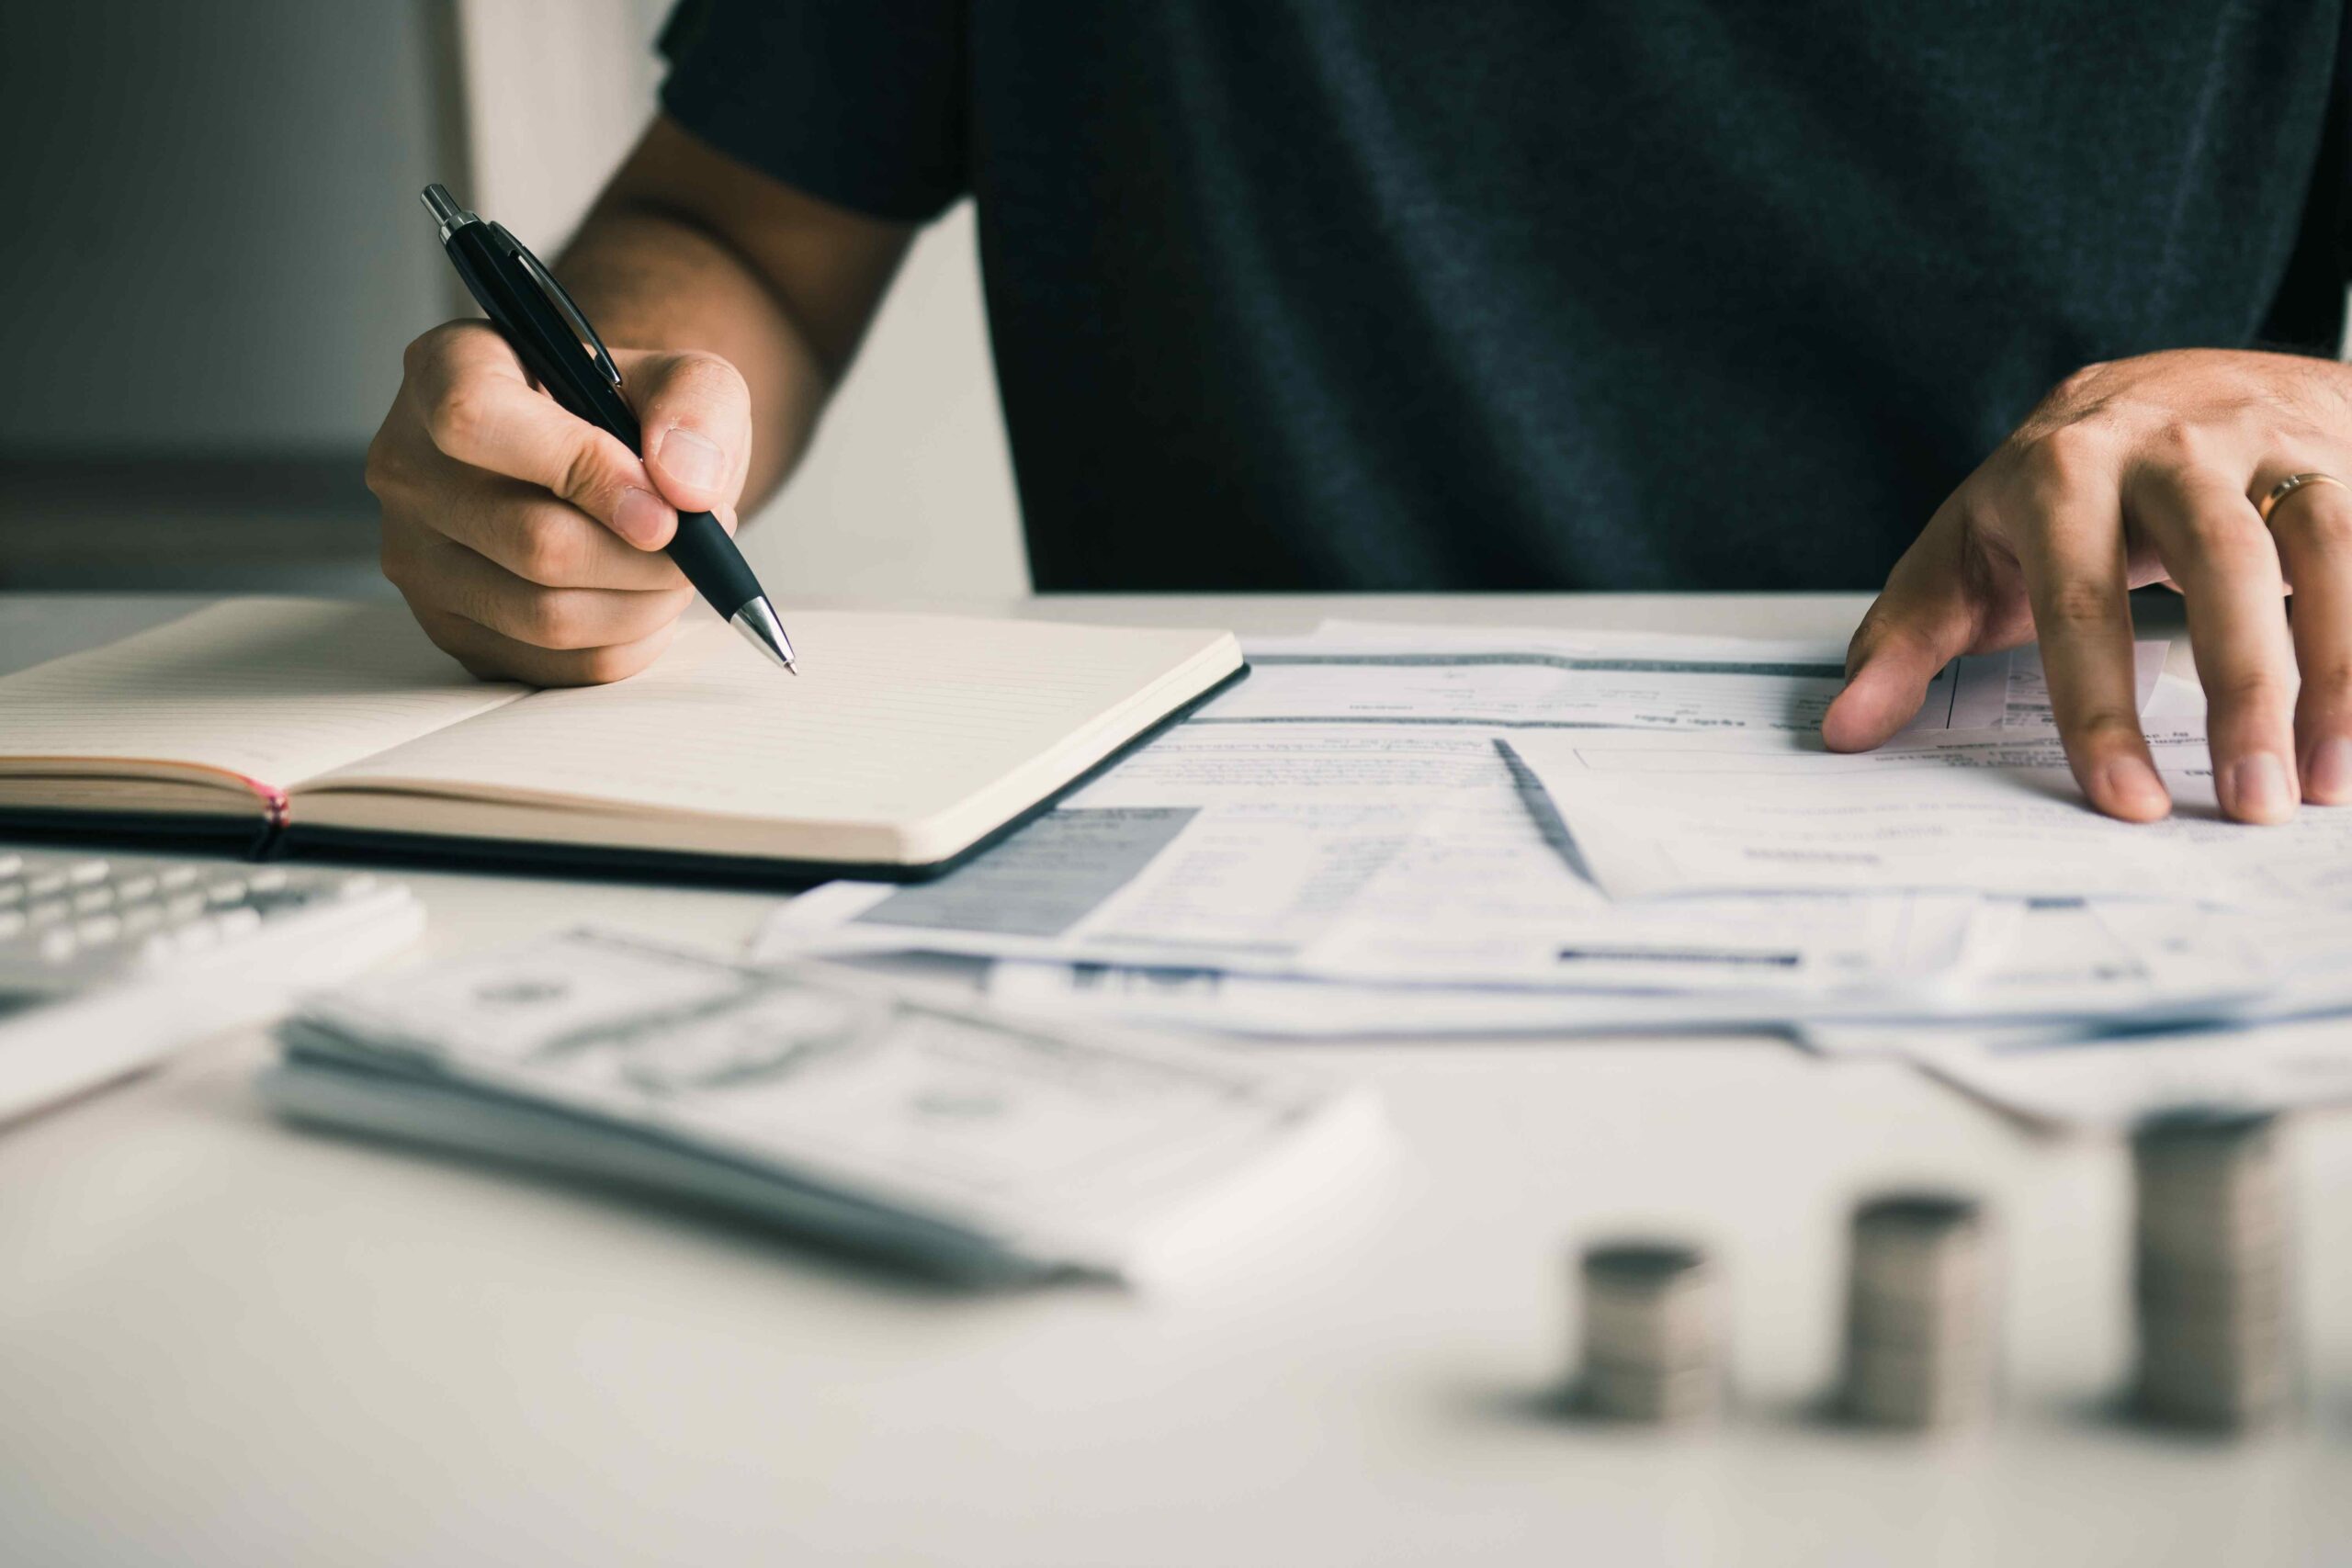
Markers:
{"x": 493, "y": 657}
{"x": 523, "y": 537}
{"x": 478, "y": 410}
{"x": 541, "y": 540}
{"x": 2031, "y": 545}
{"x": 2141, "y": 472}
{"x": 2312, "y": 530}
{"x": 697, "y": 414}
{"x": 1925, "y": 617}
{"x": 2072, "y": 554}
{"x": 448, "y": 578}
{"x": 2213, "y": 544}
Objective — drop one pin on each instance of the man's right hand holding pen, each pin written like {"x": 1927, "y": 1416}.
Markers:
{"x": 527, "y": 541}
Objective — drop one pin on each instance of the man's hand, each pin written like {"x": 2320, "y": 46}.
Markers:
{"x": 2147, "y": 470}
{"x": 528, "y": 542}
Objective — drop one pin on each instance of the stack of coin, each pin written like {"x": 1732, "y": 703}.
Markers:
{"x": 1918, "y": 1334}
{"x": 1652, "y": 1332}
{"x": 2209, "y": 1270}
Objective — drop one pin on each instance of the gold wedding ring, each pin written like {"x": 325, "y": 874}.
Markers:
{"x": 2292, "y": 483}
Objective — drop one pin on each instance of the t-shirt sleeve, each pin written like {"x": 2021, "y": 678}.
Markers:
{"x": 860, "y": 103}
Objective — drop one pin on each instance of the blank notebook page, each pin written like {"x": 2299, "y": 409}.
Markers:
{"x": 892, "y": 720}
{"x": 274, "y": 690}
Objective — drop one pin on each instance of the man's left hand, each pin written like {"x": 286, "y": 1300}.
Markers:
{"x": 2147, "y": 470}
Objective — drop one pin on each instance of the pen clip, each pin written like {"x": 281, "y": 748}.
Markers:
{"x": 563, "y": 305}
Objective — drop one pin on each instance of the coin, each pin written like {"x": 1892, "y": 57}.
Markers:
{"x": 1917, "y": 1347}
{"x": 1651, "y": 1331}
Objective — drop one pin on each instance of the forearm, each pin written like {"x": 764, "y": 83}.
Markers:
{"x": 689, "y": 251}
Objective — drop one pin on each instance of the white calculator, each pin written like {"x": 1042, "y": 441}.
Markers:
{"x": 109, "y": 962}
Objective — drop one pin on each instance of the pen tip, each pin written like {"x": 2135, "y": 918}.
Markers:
{"x": 756, "y": 620}
{"x": 790, "y": 668}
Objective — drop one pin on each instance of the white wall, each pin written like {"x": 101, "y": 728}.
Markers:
{"x": 909, "y": 488}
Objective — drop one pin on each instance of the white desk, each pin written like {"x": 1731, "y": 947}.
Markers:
{"x": 223, "y": 1342}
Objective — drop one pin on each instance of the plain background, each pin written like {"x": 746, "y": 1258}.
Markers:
{"x": 215, "y": 255}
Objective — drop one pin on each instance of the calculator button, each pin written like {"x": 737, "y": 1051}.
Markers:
{"x": 195, "y": 937}
{"x": 230, "y": 924}
{"x": 71, "y": 922}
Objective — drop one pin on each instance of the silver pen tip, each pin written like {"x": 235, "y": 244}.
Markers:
{"x": 757, "y": 621}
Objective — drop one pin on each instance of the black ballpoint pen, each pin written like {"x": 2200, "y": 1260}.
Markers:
{"x": 559, "y": 349}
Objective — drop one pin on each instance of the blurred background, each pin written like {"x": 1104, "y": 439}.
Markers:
{"x": 215, "y": 254}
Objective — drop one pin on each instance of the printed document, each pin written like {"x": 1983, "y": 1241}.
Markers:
{"x": 1992, "y": 813}
{"x": 1345, "y": 812}
{"x": 1278, "y": 1006}
{"x": 1367, "y": 672}
{"x": 2115, "y": 1082}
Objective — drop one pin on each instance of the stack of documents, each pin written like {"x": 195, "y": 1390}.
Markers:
{"x": 1393, "y": 829}
{"x": 2145, "y": 967}
{"x": 914, "y": 1126}
{"x": 1347, "y": 842}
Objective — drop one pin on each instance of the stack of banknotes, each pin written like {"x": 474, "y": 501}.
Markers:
{"x": 883, "y": 1118}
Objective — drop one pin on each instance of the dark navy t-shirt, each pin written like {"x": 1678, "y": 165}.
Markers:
{"x": 1545, "y": 294}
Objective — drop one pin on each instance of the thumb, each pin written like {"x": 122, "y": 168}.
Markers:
{"x": 697, "y": 416}
{"x": 1923, "y": 619}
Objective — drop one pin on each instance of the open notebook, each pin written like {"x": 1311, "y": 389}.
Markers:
{"x": 906, "y": 742}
